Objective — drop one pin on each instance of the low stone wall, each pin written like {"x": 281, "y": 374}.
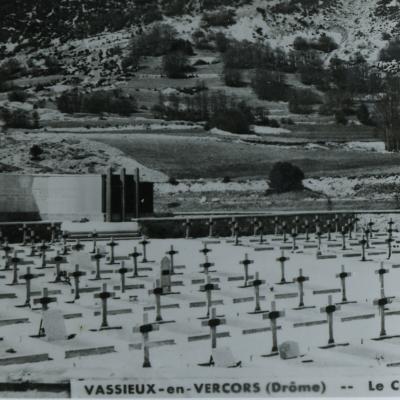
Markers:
{"x": 174, "y": 227}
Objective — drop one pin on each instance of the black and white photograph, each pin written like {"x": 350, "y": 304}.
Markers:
{"x": 199, "y": 198}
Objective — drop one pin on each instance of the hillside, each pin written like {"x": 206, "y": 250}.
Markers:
{"x": 355, "y": 24}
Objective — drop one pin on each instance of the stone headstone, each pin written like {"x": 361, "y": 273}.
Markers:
{"x": 54, "y": 325}
{"x": 289, "y": 350}
{"x": 165, "y": 272}
{"x": 223, "y": 357}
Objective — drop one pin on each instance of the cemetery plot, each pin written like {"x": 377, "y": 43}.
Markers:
{"x": 323, "y": 295}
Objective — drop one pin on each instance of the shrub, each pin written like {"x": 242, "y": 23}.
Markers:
{"x": 233, "y": 77}
{"x": 286, "y": 177}
{"x": 11, "y": 69}
{"x": 221, "y": 41}
{"x": 175, "y": 65}
{"x": 224, "y": 18}
{"x": 35, "y": 152}
{"x": 364, "y": 116}
{"x": 301, "y": 44}
{"x": 231, "y": 120}
{"x": 18, "y": 95}
{"x": 325, "y": 44}
{"x": 270, "y": 85}
{"x": 21, "y": 119}
{"x": 340, "y": 117}
{"x": 173, "y": 181}
{"x": 156, "y": 42}
{"x": 391, "y": 51}
{"x": 97, "y": 102}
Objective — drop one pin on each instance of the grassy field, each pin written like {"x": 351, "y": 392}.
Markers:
{"x": 196, "y": 156}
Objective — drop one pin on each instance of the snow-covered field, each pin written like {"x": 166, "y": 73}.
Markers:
{"x": 362, "y": 355}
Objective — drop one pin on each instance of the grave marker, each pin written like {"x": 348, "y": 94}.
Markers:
{"x": 7, "y": 250}
{"x": 208, "y": 288}
{"x": 381, "y": 303}
{"x": 343, "y": 233}
{"x": 254, "y": 224}
{"x": 276, "y": 225}
{"x": 370, "y": 226}
{"x": 135, "y": 255}
{"x": 104, "y": 296}
{"x": 158, "y": 291}
{"x": 210, "y": 224}
{"x": 45, "y": 300}
{"x": 24, "y": 230}
{"x": 343, "y": 276}
{"x": 53, "y": 230}
{"x": 58, "y": 260}
{"x": 363, "y": 243}
{"x": 77, "y": 276}
{"x": 43, "y": 248}
{"x": 54, "y": 325}
{"x": 300, "y": 281}
{"x": 307, "y": 229}
{"x": 165, "y": 272}
{"x": 329, "y": 229}
{"x": 15, "y": 261}
{"x": 78, "y": 246}
{"x": 97, "y": 257}
{"x": 187, "y": 225}
{"x": 213, "y": 323}
{"x": 294, "y": 235}
{"x": 122, "y": 271}
{"x": 232, "y": 224}
{"x": 144, "y": 242}
{"x": 256, "y": 283}
{"x": 112, "y": 244}
{"x": 94, "y": 235}
{"x": 28, "y": 276}
{"x": 171, "y": 252}
{"x": 389, "y": 241}
{"x": 273, "y": 315}
{"x": 330, "y": 309}
{"x": 282, "y": 259}
{"x": 284, "y": 231}
{"x": 145, "y": 330}
{"x": 381, "y": 272}
{"x": 246, "y": 262}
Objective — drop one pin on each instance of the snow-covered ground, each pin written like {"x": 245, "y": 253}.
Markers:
{"x": 361, "y": 356}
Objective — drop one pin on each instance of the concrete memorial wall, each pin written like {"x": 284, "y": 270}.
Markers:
{"x": 50, "y": 197}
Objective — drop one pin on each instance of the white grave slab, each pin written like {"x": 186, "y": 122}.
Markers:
{"x": 54, "y": 325}
{"x": 223, "y": 357}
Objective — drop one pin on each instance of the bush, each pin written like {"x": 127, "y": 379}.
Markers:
{"x": 364, "y": 116}
{"x": 391, "y": 51}
{"x": 97, "y": 102}
{"x": 340, "y": 117}
{"x": 233, "y": 77}
{"x": 11, "y": 69}
{"x": 18, "y": 95}
{"x": 35, "y": 152}
{"x": 224, "y": 18}
{"x": 156, "y": 42}
{"x": 175, "y": 65}
{"x": 325, "y": 44}
{"x": 21, "y": 119}
{"x": 301, "y": 44}
{"x": 286, "y": 177}
{"x": 173, "y": 181}
{"x": 270, "y": 85}
{"x": 231, "y": 120}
